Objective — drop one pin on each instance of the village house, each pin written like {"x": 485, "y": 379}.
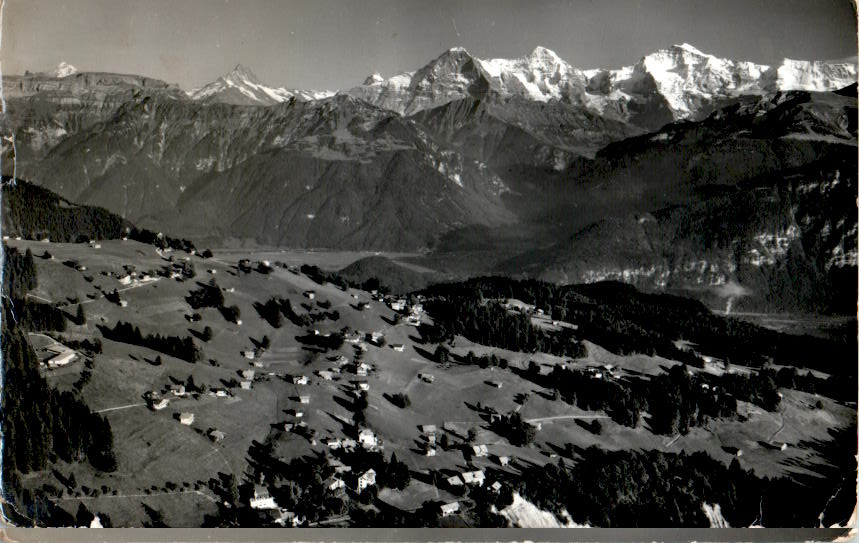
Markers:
{"x": 367, "y": 438}
{"x": 160, "y": 404}
{"x": 480, "y": 451}
{"x": 299, "y": 379}
{"x": 332, "y": 443}
{"x": 448, "y": 509}
{"x": 430, "y": 451}
{"x": 186, "y": 418}
{"x": 246, "y": 385}
{"x": 62, "y": 355}
{"x": 262, "y": 499}
{"x": 325, "y": 375}
{"x": 398, "y": 305}
{"x": 429, "y": 429}
{"x": 426, "y": 377}
{"x": 475, "y": 477}
{"x": 217, "y": 435}
{"x": 250, "y": 355}
{"x": 178, "y": 390}
{"x": 304, "y": 399}
{"x": 248, "y": 374}
{"x": 503, "y": 460}
{"x": 454, "y": 480}
{"x": 123, "y": 303}
{"x": 362, "y": 385}
{"x": 366, "y": 479}
{"x": 286, "y": 517}
{"x": 309, "y": 294}
{"x": 349, "y": 444}
{"x": 335, "y": 483}
{"x": 496, "y": 487}
{"x": 399, "y": 347}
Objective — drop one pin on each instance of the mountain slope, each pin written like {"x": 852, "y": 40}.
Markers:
{"x": 756, "y": 204}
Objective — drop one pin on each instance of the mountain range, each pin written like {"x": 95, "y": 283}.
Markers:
{"x": 682, "y": 171}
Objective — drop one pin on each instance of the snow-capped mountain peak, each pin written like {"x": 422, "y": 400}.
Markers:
{"x": 675, "y": 82}
{"x": 242, "y": 87}
{"x": 64, "y": 69}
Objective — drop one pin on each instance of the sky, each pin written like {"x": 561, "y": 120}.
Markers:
{"x": 335, "y": 44}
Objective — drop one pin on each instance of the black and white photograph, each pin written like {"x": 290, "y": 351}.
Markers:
{"x": 406, "y": 264}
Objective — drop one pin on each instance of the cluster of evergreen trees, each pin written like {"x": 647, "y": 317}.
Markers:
{"x": 512, "y": 426}
{"x": 40, "y": 424}
{"x": 489, "y": 323}
{"x": 37, "y": 213}
{"x": 34, "y": 212}
{"x": 179, "y": 347}
{"x": 208, "y": 295}
{"x": 624, "y": 320}
{"x": 654, "y": 488}
{"x": 276, "y": 308}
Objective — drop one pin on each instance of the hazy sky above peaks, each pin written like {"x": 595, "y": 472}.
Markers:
{"x": 328, "y": 44}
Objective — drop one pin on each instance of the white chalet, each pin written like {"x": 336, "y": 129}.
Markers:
{"x": 448, "y": 509}
{"x": 475, "y": 477}
{"x": 262, "y": 499}
{"x": 366, "y": 479}
{"x": 367, "y": 438}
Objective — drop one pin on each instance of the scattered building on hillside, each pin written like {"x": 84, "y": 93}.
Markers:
{"x": 429, "y": 429}
{"x": 216, "y": 435}
{"x": 160, "y": 404}
{"x": 262, "y": 499}
{"x": 476, "y": 477}
{"x": 123, "y": 303}
{"x": 366, "y": 479}
{"x": 304, "y": 399}
{"x": 248, "y": 374}
{"x": 249, "y": 354}
{"x": 367, "y": 438}
{"x": 309, "y": 294}
{"x": 448, "y": 509}
{"x": 62, "y": 355}
{"x": 362, "y": 385}
{"x": 325, "y": 375}
{"x": 178, "y": 390}
{"x": 186, "y": 418}
{"x": 246, "y": 385}
{"x": 503, "y": 460}
{"x": 335, "y": 483}
{"x": 299, "y": 379}
{"x": 398, "y": 305}
{"x": 496, "y": 384}
{"x": 480, "y": 451}
{"x": 454, "y": 480}
{"x": 430, "y": 451}
{"x": 399, "y": 347}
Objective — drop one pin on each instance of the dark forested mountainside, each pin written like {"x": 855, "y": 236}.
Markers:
{"x": 41, "y": 425}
